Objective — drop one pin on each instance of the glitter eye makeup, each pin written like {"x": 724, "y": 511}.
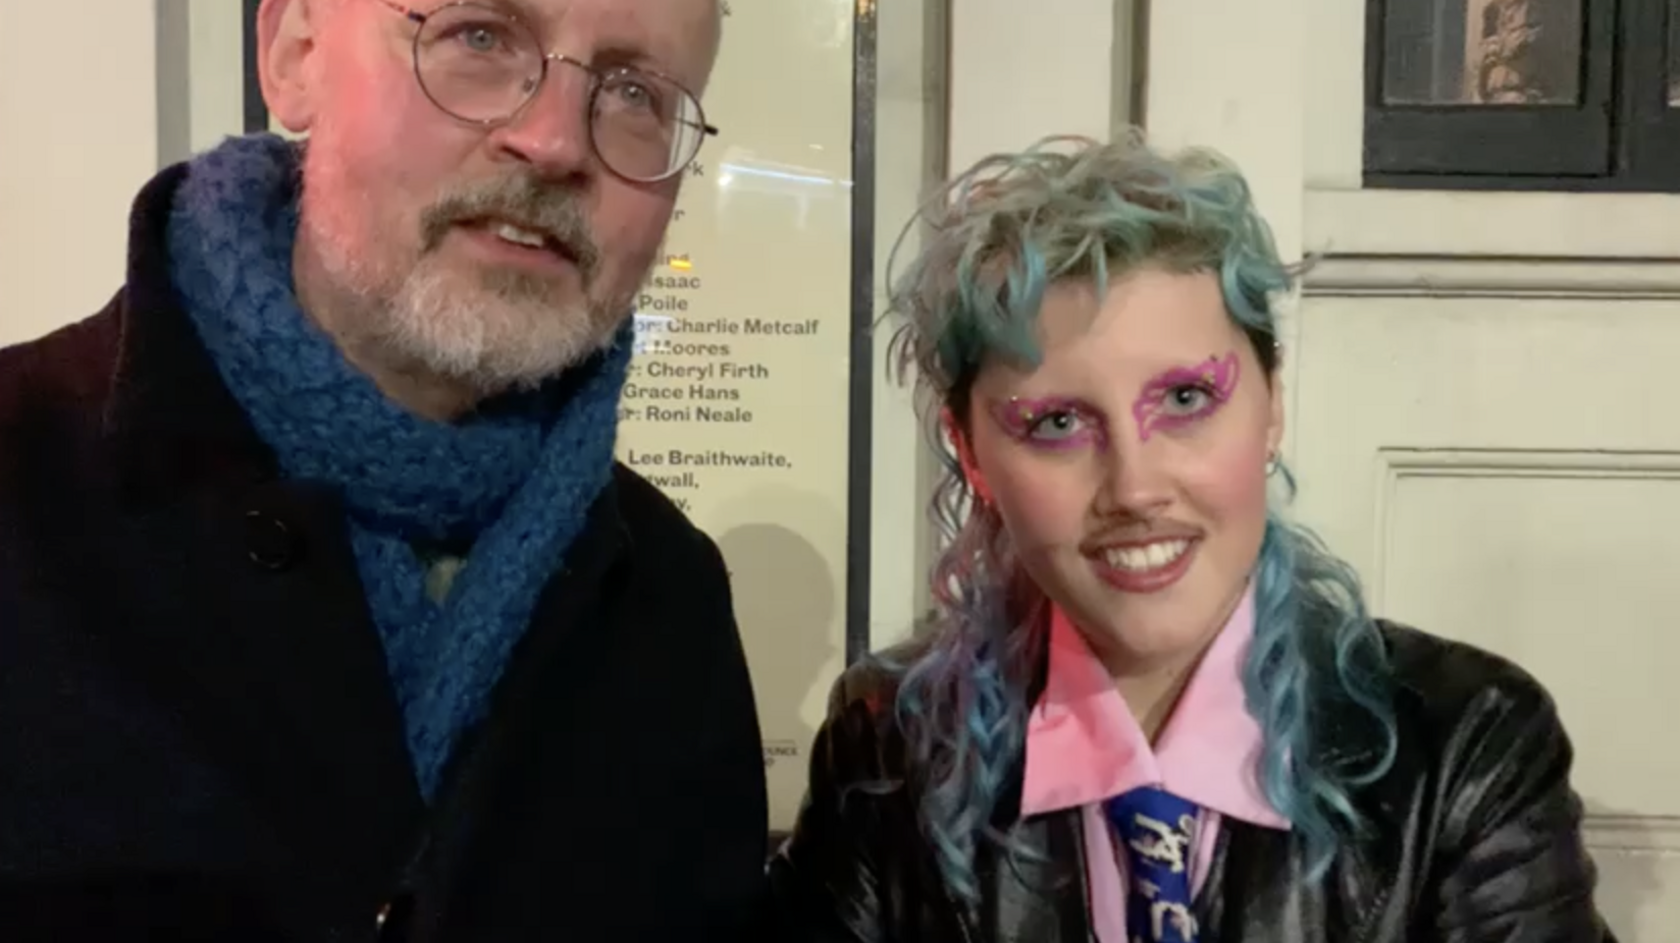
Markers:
{"x": 1210, "y": 385}
{"x": 1052, "y": 422}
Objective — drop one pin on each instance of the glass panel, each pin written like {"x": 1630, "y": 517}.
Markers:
{"x": 737, "y": 405}
{"x": 1482, "y": 52}
{"x": 737, "y": 401}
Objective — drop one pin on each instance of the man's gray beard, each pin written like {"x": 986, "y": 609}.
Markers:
{"x": 498, "y": 331}
{"x": 488, "y": 329}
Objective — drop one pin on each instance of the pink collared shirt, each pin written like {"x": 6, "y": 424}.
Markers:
{"x": 1084, "y": 747}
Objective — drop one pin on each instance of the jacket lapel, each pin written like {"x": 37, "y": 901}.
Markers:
{"x": 1258, "y": 889}
{"x": 1040, "y": 896}
{"x": 559, "y": 632}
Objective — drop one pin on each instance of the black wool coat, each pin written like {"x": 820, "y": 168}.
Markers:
{"x": 198, "y": 738}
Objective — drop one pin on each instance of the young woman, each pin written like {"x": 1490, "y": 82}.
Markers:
{"x": 1150, "y": 709}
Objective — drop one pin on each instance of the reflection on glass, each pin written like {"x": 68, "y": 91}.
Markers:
{"x": 1482, "y": 52}
{"x": 1673, "y": 69}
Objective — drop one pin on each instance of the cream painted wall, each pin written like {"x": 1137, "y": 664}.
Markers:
{"x": 162, "y": 80}
{"x": 1015, "y": 77}
{"x": 1213, "y": 82}
{"x": 78, "y": 137}
{"x": 909, "y": 141}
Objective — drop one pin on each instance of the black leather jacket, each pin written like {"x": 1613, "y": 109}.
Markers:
{"x": 1476, "y": 835}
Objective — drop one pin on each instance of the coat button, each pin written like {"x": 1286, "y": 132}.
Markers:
{"x": 269, "y": 542}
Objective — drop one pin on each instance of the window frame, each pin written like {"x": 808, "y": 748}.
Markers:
{"x": 1619, "y": 136}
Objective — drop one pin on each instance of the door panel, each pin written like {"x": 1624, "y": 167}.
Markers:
{"x": 1506, "y": 471}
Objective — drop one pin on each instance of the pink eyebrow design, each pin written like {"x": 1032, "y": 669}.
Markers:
{"x": 1018, "y": 417}
{"x": 1217, "y": 375}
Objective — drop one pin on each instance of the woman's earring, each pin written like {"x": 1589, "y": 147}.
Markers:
{"x": 1271, "y": 464}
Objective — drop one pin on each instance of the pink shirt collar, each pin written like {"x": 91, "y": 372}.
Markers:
{"x": 1084, "y": 746}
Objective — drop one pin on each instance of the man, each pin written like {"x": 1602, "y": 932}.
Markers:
{"x": 325, "y": 612}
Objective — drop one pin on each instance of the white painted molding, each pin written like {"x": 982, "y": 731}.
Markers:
{"x": 1637, "y": 834}
{"x": 1507, "y": 224}
{"x": 1394, "y": 465}
{"x": 1437, "y": 276}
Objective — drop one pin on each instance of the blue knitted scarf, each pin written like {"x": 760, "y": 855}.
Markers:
{"x": 513, "y": 482}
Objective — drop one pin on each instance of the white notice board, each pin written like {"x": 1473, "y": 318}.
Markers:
{"x": 737, "y": 405}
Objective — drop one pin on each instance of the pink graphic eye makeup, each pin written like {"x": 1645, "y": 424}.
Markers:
{"x": 1052, "y": 422}
{"x": 1184, "y": 395}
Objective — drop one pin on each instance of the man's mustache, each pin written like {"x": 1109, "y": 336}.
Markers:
{"x": 553, "y": 210}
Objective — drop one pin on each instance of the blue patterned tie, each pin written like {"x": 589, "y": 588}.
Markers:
{"x": 1156, "y": 829}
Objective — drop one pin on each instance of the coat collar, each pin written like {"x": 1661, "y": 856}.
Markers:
{"x": 1084, "y": 746}
{"x": 1251, "y": 862}
{"x": 169, "y": 421}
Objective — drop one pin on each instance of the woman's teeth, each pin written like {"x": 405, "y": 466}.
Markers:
{"x": 1141, "y": 559}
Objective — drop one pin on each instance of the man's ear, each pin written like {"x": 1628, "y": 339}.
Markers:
{"x": 965, "y": 457}
{"x": 287, "y": 33}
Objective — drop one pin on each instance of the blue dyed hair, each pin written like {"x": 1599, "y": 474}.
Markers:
{"x": 993, "y": 243}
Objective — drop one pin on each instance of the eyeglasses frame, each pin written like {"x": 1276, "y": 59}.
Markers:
{"x": 597, "y": 77}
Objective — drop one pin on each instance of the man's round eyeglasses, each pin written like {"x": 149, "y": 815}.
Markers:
{"x": 482, "y": 65}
